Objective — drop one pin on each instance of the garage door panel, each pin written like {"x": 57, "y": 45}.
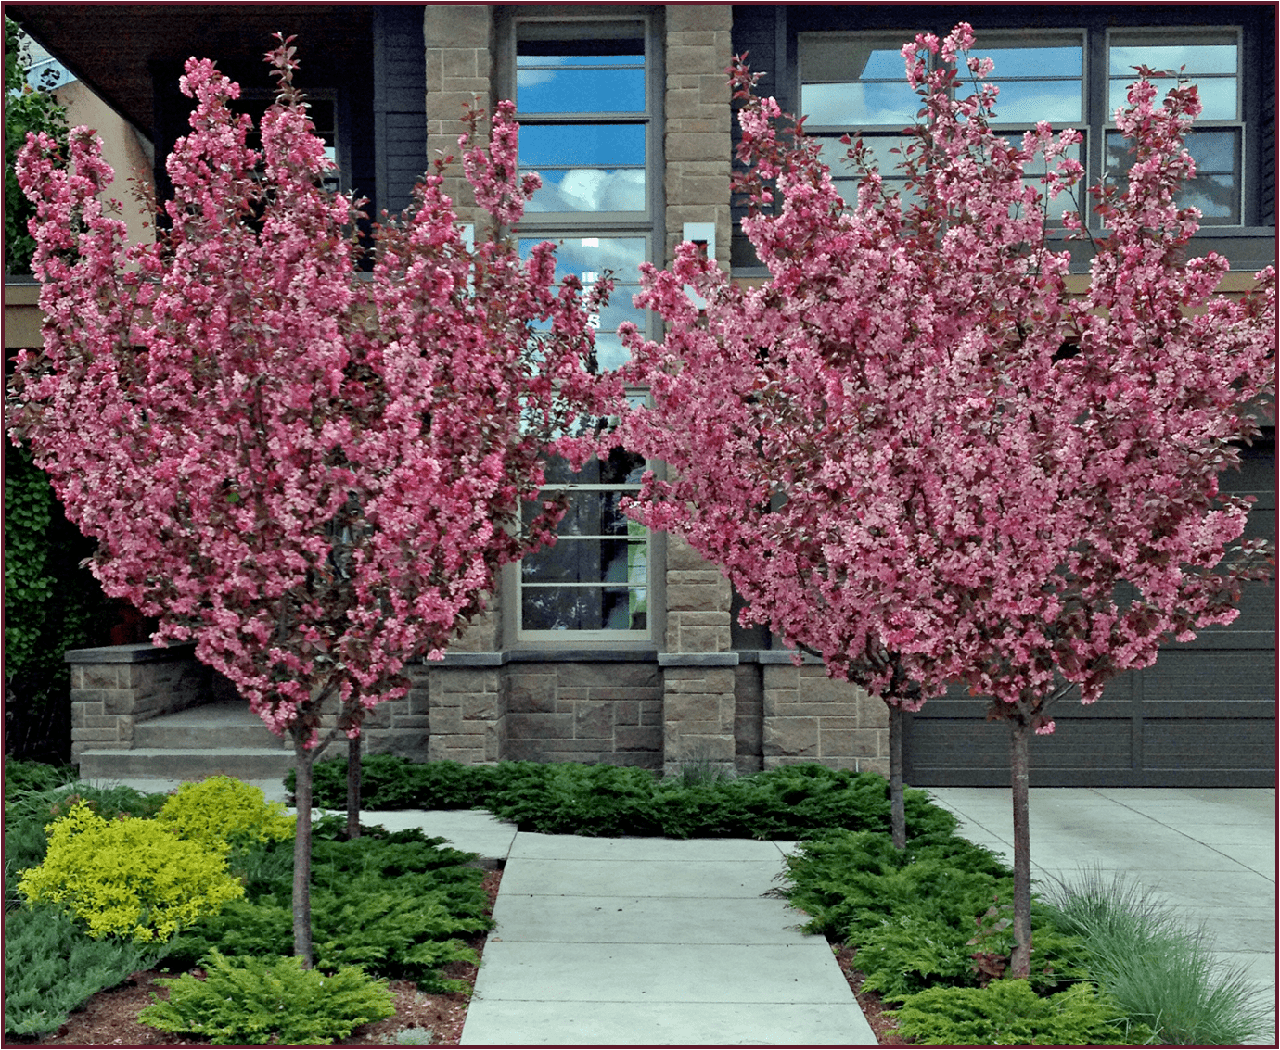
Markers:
{"x": 1234, "y": 743}
{"x": 1186, "y": 674}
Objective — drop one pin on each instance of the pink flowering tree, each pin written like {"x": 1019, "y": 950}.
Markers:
{"x": 913, "y": 452}
{"x": 312, "y": 471}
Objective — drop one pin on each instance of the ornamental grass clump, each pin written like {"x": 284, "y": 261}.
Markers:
{"x": 128, "y": 877}
{"x": 1159, "y": 971}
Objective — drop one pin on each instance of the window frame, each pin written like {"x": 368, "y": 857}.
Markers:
{"x": 1107, "y": 126}
{"x": 581, "y": 23}
{"x": 1096, "y": 123}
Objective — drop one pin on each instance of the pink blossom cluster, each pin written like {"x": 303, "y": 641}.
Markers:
{"x": 913, "y": 451}
{"x": 311, "y": 470}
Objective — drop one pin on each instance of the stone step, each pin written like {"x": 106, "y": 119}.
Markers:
{"x": 218, "y": 725}
{"x": 244, "y": 763}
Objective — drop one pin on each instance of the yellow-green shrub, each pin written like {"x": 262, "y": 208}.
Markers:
{"x": 128, "y": 877}
{"x": 220, "y": 810}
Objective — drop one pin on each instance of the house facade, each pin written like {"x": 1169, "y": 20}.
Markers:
{"x": 623, "y": 646}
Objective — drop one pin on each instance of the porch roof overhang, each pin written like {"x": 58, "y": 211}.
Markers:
{"x": 115, "y": 48}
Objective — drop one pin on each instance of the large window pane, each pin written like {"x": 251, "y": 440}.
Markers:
{"x": 1025, "y": 102}
{"x": 555, "y": 86}
{"x": 589, "y": 190}
{"x": 1216, "y": 188}
{"x": 584, "y": 609}
{"x": 1206, "y": 58}
{"x": 854, "y": 79}
{"x": 853, "y": 103}
{"x": 580, "y": 145}
{"x": 1059, "y": 61}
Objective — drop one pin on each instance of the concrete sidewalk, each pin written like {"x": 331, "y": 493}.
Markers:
{"x": 625, "y": 942}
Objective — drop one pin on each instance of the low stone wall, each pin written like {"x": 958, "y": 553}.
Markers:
{"x": 737, "y": 711}
{"x": 115, "y": 687}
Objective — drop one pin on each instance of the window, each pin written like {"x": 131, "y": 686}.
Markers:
{"x": 1210, "y": 59}
{"x": 854, "y": 82}
{"x": 322, "y": 108}
{"x": 585, "y": 94}
{"x": 584, "y": 118}
{"x": 596, "y": 577}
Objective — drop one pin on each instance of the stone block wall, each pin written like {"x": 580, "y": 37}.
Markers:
{"x": 466, "y": 711}
{"x": 585, "y": 712}
{"x": 459, "y": 43}
{"x": 115, "y": 687}
{"x": 698, "y": 148}
{"x": 808, "y": 717}
{"x": 748, "y": 720}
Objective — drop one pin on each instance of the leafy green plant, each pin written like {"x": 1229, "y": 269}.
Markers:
{"x": 1010, "y": 1013}
{"x": 1160, "y": 972}
{"x": 400, "y": 904}
{"x": 24, "y": 778}
{"x": 51, "y": 966}
{"x": 269, "y": 1000}
{"x": 27, "y": 108}
{"x": 788, "y": 802}
{"x": 127, "y": 877}
{"x": 220, "y": 810}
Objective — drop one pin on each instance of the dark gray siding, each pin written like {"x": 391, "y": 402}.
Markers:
{"x": 399, "y": 103}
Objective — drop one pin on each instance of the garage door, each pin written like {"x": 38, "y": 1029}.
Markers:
{"x": 1202, "y": 716}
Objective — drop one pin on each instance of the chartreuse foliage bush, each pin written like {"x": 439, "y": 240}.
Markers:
{"x": 788, "y": 802}
{"x": 1010, "y": 1013}
{"x": 51, "y": 966}
{"x": 269, "y": 1000}
{"x": 128, "y": 877}
{"x": 220, "y": 811}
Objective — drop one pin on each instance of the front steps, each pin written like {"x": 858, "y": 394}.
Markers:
{"x": 221, "y": 737}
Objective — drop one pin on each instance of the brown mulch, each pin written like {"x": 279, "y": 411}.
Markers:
{"x": 110, "y": 1018}
{"x": 885, "y": 1028}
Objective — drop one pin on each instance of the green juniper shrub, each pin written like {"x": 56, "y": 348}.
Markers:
{"x": 51, "y": 967}
{"x": 912, "y": 952}
{"x": 788, "y": 802}
{"x": 256, "y": 1001}
{"x": 1010, "y": 1013}
{"x": 23, "y": 778}
{"x": 399, "y": 903}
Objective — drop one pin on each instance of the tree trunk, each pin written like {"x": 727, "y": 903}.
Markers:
{"x": 897, "y": 812}
{"x": 353, "y": 788}
{"x": 302, "y": 941}
{"x": 1020, "y": 770}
